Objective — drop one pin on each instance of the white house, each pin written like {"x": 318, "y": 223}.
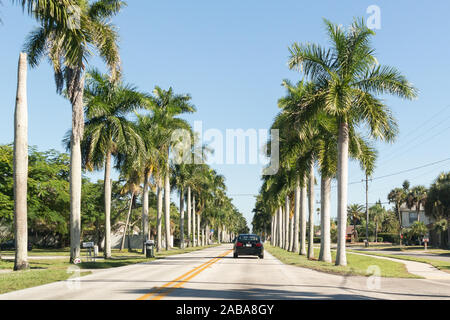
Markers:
{"x": 409, "y": 216}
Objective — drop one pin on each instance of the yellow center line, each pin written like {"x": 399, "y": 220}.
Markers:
{"x": 159, "y": 289}
{"x": 178, "y": 285}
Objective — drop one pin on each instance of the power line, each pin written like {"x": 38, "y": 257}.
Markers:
{"x": 400, "y": 172}
{"x": 422, "y": 126}
{"x": 408, "y": 146}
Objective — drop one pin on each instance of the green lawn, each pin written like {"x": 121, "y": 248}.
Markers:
{"x": 51, "y": 270}
{"x": 41, "y": 272}
{"x": 357, "y": 265}
{"x": 41, "y": 252}
{"x": 441, "y": 265}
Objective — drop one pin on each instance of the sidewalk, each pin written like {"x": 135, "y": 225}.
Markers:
{"x": 424, "y": 270}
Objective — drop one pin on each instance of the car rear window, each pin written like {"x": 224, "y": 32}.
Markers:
{"x": 248, "y": 238}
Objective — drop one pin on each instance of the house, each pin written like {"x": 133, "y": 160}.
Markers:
{"x": 351, "y": 234}
{"x": 409, "y": 216}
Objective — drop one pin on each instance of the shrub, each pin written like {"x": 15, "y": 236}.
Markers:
{"x": 390, "y": 237}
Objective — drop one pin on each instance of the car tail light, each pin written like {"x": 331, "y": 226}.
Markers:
{"x": 239, "y": 244}
{"x": 259, "y": 245}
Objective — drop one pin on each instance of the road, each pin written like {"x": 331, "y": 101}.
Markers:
{"x": 213, "y": 274}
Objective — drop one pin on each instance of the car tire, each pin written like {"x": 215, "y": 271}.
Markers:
{"x": 235, "y": 256}
{"x": 261, "y": 256}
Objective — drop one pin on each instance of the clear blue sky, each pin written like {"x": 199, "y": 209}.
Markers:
{"x": 231, "y": 57}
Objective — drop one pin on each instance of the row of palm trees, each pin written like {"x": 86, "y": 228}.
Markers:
{"x": 321, "y": 125}
{"x": 102, "y": 132}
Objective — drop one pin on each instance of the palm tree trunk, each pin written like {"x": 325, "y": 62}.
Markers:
{"x": 291, "y": 234}
{"x": 194, "y": 243}
{"x": 107, "y": 195}
{"x": 167, "y": 207}
{"x": 376, "y": 232}
{"x": 181, "y": 218}
{"x": 303, "y": 209}
{"x": 296, "y": 247}
{"x": 280, "y": 228}
{"x": 325, "y": 243}
{"x": 204, "y": 242}
{"x": 75, "y": 167}
{"x": 343, "y": 143}
{"x": 189, "y": 214}
{"x": 159, "y": 213}
{"x": 145, "y": 210}
{"x": 448, "y": 233}
{"x": 198, "y": 230}
{"x": 21, "y": 167}
{"x": 399, "y": 214}
{"x": 122, "y": 245}
{"x": 311, "y": 212}
{"x": 274, "y": 229}
{"x": 286, "y": 221}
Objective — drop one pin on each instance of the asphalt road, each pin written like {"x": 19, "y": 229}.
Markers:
{"x": 214, "y": 274}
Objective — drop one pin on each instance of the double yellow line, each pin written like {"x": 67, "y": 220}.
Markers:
{"x": 160, "y": 292}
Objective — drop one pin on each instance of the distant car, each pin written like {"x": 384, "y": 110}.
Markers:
{"x": 248, "y": 245}
{"x": 10, "y": 245}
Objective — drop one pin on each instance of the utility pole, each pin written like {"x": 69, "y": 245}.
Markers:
{"x": 367, "y": 210}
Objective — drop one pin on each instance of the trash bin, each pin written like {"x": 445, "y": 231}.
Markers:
{"x": 150, "y": 249}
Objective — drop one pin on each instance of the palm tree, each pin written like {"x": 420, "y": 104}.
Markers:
{"x": 132, "y": 186}
{"x": 398, "y": 197}
{"x": 69, "y": 47}
{"x": 350, "y": 78}
{"x": 438, "y": 203}
{"x": 108, "y": 132}
{"x": 378, "y": 213}
{"x": 180, "y": 176}
{"x": 417, "y": 197}
{"x": 355, "y": 212}
{"x": 167, "y": 106}
{"x": 21, "y": 167}
{"x": 315, "y": 139}
{"x": 151, "y": 160}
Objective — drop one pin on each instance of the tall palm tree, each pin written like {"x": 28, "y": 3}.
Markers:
{"x": 151, "y": 162}
{"x": 68, "y": 48}
{"x": 351, "y": 79}
{"x": 180, "y": 176}
{"x": 21, "y": 167}
{"x": 108, "y": 132}
{"x": 133, "y": 179}
{"x": 417, "y": 197}
{"x": 355, "y": 212}
{"x": 398, "y": 197}
{"x": 167, "y": 106}
{"x": 315, "y": 140}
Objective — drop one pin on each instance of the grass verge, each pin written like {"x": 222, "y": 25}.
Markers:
{"x": 356, "y": 265}
{"x": 41, "y": 272}
{"x": 441, "y": 265}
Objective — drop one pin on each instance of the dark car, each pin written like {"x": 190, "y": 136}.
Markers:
{"x": 10, "y": 245}
{"x": 248, "y": 245}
